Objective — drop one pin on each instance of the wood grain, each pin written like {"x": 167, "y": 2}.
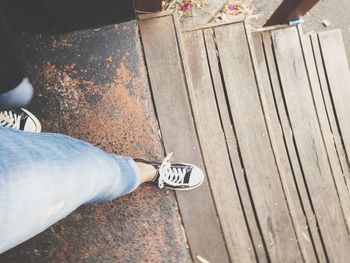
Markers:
{"x": 337, "y": 73}
{"x": 281, "y": 153}
{"x": 267, "y": 117}
{"x": 291, "y": 147}
{"x": 328, "y": 138}
{"x": 168, "y": 84}
{"x": 232, "y": 145}
{"x": 329, "y": 108}
{"x": 258, "y": 159}
{"x": 215, "y": 154}
{"x": 310, "y": 146}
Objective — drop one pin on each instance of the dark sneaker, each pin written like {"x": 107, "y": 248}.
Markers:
{"x": 176, "y": 176}
{"x": 20, "y": 119}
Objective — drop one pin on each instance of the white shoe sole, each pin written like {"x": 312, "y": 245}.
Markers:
{"x": 35, "y": 120}
{"x": 192, "y": 187}
{"x": 184, "y": 189}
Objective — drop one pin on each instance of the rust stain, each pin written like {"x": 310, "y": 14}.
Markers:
{"x": 99, "y": 214}
{"x": 117, "y": 118}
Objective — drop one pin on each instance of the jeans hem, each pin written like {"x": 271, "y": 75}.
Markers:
{"x": 136, "y": 173}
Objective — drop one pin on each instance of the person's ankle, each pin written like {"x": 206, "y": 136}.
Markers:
{"x": 147, "y": 171}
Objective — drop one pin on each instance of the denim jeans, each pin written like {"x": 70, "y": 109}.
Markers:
{"x": 44, "y": 177}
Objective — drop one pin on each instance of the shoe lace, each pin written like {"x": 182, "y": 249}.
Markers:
{"x": 170, "y": 175}
{"x": 10, "y": 119}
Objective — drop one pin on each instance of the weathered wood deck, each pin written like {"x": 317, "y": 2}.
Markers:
{"x": 266, "y": 115}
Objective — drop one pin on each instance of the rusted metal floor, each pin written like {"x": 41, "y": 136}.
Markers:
{"x": 265, "y": 114}
{"x": 93, "y": 85}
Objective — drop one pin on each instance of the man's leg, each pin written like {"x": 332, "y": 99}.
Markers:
{"x": 44, "y": 177}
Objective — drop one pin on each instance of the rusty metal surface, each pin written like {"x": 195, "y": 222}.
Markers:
{"x": 93, "y": 85}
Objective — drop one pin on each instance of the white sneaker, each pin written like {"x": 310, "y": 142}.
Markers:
{"x": 20, "y": 119}
{"x": 176, "y": 176}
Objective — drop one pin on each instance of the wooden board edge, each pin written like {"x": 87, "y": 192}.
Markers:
{"x": 155, "y": 15}
{"x": 269, "y": 28}
{"x": 237, "y": 19}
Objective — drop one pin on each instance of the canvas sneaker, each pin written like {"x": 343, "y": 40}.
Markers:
{"x": 20, "y": 119}
{"x": 176, "y": 176}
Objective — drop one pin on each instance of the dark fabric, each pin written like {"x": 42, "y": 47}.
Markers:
{"x": 18, "y": 97}
{"x": 61, "y": 16}
{"x": 11, "y": 67}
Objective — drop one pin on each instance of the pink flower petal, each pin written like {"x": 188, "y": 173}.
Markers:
{"x": 185, "y": 6}
{"x": 231, "y": 7}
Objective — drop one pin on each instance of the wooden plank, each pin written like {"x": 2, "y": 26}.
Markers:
{"x": 292, "y": 154}
{"x": 179, "y": 135}
{"x": 338, "y": 77}
{"x": 214, "y": 150}
{"x": 309, "y": 143}
{"x": 231, "y": 141}
{"x": 155, "y": 15}
{"x": 281, "y": 155}
{"x": 328, "y": 139}
{"x": 329, "y": 108}
{"x": 268, "y": 28}
{"x": 257, "y": 155}
{"x": 236, "y": 19}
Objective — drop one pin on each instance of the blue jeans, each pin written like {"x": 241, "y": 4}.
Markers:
{"x": 44, "y": 177}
